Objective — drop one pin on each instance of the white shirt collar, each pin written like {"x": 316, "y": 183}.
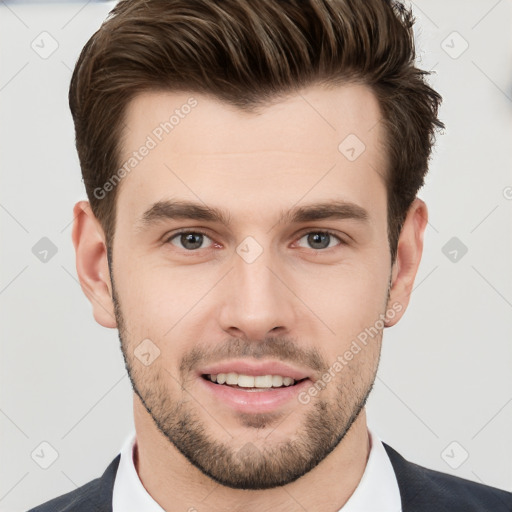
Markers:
{"x": 377, "y": 490}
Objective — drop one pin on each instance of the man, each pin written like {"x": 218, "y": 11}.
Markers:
{"x": 252, "y": 227}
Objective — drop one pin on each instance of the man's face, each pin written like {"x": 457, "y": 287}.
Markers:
{"x": 262, "y": 295}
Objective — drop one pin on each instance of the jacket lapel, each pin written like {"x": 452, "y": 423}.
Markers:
{"x": 412, "y": 482}
{"x": 100, "y": 497}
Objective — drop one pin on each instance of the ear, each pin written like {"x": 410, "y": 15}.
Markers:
{"x": 409, "y": 251}
{"x": 92, "y": 263}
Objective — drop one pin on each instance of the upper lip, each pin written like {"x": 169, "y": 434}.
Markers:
{"x": 246, "y": 367}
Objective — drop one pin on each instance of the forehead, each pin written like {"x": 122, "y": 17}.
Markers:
{"x": 317, "y": 143}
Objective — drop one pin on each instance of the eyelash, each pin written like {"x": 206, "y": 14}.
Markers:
{"x": 204, "y": 233}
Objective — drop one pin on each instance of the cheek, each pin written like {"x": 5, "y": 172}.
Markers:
{"x": 157, "y": 300}
{"x": 349, "y": 301}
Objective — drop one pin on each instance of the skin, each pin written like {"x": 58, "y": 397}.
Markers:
{"x": 290, "y": 304}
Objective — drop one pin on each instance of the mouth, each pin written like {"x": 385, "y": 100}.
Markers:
{"x": 251, "y": 387}
{"x": 252, "y": 382}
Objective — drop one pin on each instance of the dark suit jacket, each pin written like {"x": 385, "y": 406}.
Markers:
{"x": 421, "y": 490}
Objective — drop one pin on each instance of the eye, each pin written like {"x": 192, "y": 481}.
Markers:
{"x": 321, "y": 239}
{"x": 193, "y": 240}
{"x": 189, "y": 240}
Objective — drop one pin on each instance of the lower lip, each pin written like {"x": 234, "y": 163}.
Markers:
{"x": 261, "y": 400}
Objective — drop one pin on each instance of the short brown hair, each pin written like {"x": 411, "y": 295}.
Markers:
{"x": 248, "y": 53}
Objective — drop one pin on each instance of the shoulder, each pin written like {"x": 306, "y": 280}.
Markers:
{"x": 95, "y": 495}
{"x": 425, "y": 489}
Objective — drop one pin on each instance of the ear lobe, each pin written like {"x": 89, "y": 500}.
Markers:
{"x": 409, "y": 252}
{"x": 92, "y": 264}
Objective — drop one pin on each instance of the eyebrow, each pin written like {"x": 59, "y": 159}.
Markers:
{"x": 188, "y": 210}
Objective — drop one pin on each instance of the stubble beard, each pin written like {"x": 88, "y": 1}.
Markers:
{"x": 250, "y": 466}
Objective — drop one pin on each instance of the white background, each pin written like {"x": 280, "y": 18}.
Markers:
{"x": 445, "y": 371}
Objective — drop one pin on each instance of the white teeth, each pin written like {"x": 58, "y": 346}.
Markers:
{"x": 263, "y": 381}
{"x": 277, "y": 381}
{"x": 250, "y": 381}
{"x": 246, "y": 381}
{"x": 232, "y": 378}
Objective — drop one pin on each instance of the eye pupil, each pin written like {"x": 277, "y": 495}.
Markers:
{"x": 319, "y": 238}
{"x": 189, "y": 237}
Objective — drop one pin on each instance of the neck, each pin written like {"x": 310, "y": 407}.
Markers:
{"x": 175, "y": 484}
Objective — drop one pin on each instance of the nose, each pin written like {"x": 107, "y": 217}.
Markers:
{"x": 258, "y": 298}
